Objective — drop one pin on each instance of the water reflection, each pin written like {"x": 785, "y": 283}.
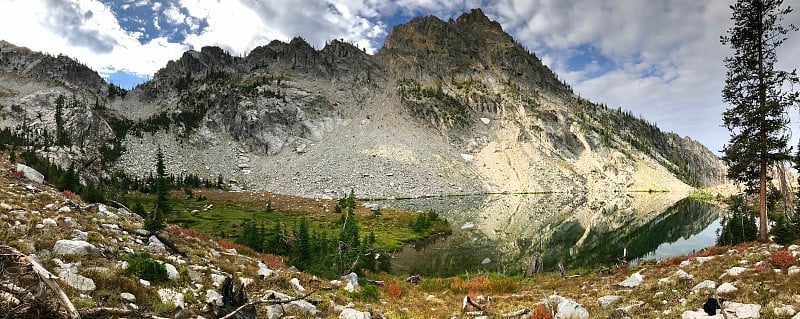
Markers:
{"x": 501, "y": 232}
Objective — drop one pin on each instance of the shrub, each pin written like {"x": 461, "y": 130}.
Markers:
{"x": 739, "y": 226}
{"x": 783, "y": 230}
{"x": 368, "y": 293}
{"x": 541, "y": 312}
{"x": 393, "y": 289}
{"x": 782, "y": 259}
{"x": 145, "y": 267}
{"x": 433, "y": 285}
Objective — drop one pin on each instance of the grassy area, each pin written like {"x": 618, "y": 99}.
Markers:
{"x": 221, "y": 213}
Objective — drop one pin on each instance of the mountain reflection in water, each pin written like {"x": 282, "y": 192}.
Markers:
{"x": 501, "y": 232}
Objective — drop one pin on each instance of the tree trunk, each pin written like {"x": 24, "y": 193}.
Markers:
{"x": 763, "y": 236}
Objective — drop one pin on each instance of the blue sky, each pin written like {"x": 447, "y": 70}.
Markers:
{"x": 661, "y": 59}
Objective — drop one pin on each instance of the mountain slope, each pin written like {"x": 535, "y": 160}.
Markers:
{"x": 444, "y": 108}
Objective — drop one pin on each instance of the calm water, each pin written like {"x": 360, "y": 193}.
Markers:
{"x": 501, "y": 232}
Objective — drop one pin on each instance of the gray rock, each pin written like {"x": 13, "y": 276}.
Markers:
{"x": 30, "y": 173}
{"x": 606, "y": 302}
{"x": 350, "y": 313}
{"x": 172, "y": 272}
{"x": 69, "y": 275}
{"x": 784, "y": 311}
{"x": 213, "y": 297}
{"x": 633, "y": 280}
{"x": 129, "y": 297}
{"x": 707, "y": 284}
{"x": 734, "y": 272}
{"x": 172, "y": 296}
{"x": 569, "y": 309}
{"x": 155, "y": 245}
{"x": 726, "y": 288}
{"x": 75, "y": 247}
{"x": 263, "y": 270}
{"x": 733, "y": 310}
{"x": 352, "y": 281}
{"x": 683, "y": 275}
{"x": 49, "y": 222}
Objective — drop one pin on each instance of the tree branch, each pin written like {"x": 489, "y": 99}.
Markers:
{"x": 267, "y": 301}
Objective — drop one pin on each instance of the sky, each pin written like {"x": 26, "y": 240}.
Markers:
{"x": 660, "y": 59}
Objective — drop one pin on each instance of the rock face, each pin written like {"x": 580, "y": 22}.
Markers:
{"x": 454, "y": 107}
{"x": 75, "y": 247}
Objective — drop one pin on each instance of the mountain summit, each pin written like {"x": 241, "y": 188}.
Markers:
{"x": 445, "y": 107}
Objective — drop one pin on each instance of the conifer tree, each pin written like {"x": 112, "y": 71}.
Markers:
{"x": 156, "y": 220}
{"x": 303, "y": 246}
{"x": 757, "y": 119}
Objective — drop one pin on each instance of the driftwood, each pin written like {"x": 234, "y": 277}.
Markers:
{"x": 413, "y": 279}
{"x": 234, "y": 302}
{"x": 251, "y": 305}
{"x": 170, "y": 245}
{"x": 518, "y": 313}
{"x": 9, "y": 253}
{"x": 377, "y": 282}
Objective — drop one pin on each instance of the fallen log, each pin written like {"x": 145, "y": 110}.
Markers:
{"x": 44, "y": 276}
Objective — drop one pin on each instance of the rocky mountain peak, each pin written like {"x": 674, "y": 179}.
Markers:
{"x": 472, "y": 46}
{"x": 45, "y": 67}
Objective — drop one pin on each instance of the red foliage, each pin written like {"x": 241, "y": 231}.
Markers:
{"x": 782, "y": 259}
{"x": 16, "y": 174}
{"x": 393, "y": 289}
{"x": 541, "y": 312}
{"x": 69, "y": 194}
{"x": 272, "y": 261}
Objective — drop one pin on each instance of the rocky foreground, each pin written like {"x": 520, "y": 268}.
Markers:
{"x": 86, "y": 247}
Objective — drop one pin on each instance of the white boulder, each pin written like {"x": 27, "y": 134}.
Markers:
{"x": 633, "y": 280}
{"x": 75, "y": 247}
{"x": 30, "y": 173}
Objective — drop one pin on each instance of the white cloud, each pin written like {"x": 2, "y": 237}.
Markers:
{"x": 174, "y": 15}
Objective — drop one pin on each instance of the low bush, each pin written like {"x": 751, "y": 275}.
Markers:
{"x": 782, "y": 259}
{"x": 145, "y": 267}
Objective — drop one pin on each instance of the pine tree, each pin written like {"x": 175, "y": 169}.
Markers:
{"x": 758, "y": 117}
{"x": 303, "y": 246}
{"x": 739, "y": 226}
{"x": 156, "y": 221}
{"x": 60, "y": 136}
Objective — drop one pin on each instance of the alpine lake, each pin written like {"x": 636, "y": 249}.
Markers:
{"x": 500, "y": 233}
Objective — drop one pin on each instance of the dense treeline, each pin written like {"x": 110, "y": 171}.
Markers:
{"x": 325, "y": 253}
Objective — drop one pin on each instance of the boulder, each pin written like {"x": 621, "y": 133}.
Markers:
{"x": 49, "y": 222}
{"x": 76, "y": 281}
{"x": 683, "y": 275}
{"x": 129, "y": 297}
{"x": 350, "y": 313}
{"x": 155, "y": 245}
{"x": 707, "y": 284}
{"x": 297, "y": 287}
{"x": 75, "y": 247}
{"x": 263, "y": 270}
{"x": 172, "y": 272}
{"x": 30, "y": 173}
{"x": 733, "y": 310}
{"x": 352, "y": 281}
{"x": 726, "y": 288}
{"x": 791, "y": 271}
{"x": 785, "y": 311}
{"x": 633, "y": 280}
{"x": 606, "y": 302}
{"x": 175, "y": 297}
{"x": 569, "y": 309}
{"x": 213, "y": 297}
{"x": 734, "y": 272}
